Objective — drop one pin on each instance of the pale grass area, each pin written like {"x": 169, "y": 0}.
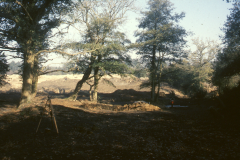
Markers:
{"x": 129, "y": 82}
{"x": 56, "y": 77}
{"x": 69, "y": 76}
{"x": 16, "y": 82}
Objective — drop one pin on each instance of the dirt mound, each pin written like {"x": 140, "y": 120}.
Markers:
{"x": 126, "y": 91}
{"x": 127, "y": 107}
{"x": 141, "y": 106}
{"x": 93, "y": 106}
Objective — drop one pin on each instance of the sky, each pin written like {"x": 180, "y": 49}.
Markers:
{"x": 204, "y": 18}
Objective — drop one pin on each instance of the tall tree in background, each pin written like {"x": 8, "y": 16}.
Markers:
{"x": 201, "y": 61}
{"x": 24, "y": 26}
{"x": 160, "y": 38}
{"x": 99, "y": 22}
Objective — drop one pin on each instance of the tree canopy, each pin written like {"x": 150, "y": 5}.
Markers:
{"x": 98, "y": 23}
{"x": 25, "y": 26}
{"x": 228, "y": 58}
{"x": 160, "y": 38}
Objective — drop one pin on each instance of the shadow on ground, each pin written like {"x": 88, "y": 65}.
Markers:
{"x": 191, "y": 133}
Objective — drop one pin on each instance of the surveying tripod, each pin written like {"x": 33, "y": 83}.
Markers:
{"x": 51, "y": 112}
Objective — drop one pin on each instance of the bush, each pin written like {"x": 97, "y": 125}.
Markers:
{"x": 200, "y": 93}
{"x": 231, "y": 97}
{"x": 3, "y": 69}
{"x": 140, "y": 73}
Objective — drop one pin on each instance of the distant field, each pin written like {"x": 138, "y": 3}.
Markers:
{"x": 68, "y": 83}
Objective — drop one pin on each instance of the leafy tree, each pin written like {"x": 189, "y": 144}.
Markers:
{"x": 228, "y": 58}
{"x": 112, "y": 58}
{"x": 201, "y": 61}
{"x": 179, "y": 75}
{"x": 231, "y": 1}
{"x": 99, "y": 22}
{"x": 226, "y": 67}
{"x": 192, "y": 73}
{"x": 3, "y": 69}
{"x": 160, "y": 39}
{"x": 28, "y": 23}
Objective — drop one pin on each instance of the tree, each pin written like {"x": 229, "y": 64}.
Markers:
{"x": 226, "y": 67}
{"x": 179, "y": 76}
{"x": 228, "y": 58}
{"x": 112, "y": 58}
{"x": 193, "y": 73}
{"x": 3, "y": 69}
{"x": 25, "y": 27}
{"x": 99, "y": 22}
{"x": 160, "y": 39}
{"x": 201, "y": 60}
{"x": 231, "y": 1}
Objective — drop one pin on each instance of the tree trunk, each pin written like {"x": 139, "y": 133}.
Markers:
{"x": 80, "y": 83}
{"x": 90, "y": 93}
{"x": 27, "y": 78}
{"x": 159, "y": 78}
{"x": 158, "y": 90}
{"x": 153, "y": 98}
{"x": 153, "y": 72}
{"x": 34, "y": 85}
{"x": 96, "y": 80}
{"x": 35, "y": 77}
{"x": 95, "y": 94}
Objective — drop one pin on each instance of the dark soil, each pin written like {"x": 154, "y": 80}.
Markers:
{"x": 177, "y": 133}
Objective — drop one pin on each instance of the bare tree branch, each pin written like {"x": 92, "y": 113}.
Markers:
{"x": 66, "y": 53}
{"x": 19, "y": 3}
{"x": 57, "y": 70}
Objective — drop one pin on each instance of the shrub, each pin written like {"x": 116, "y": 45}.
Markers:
{"x": 3, "y": 69}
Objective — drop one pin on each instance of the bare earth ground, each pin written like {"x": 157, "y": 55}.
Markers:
{"x": 114, "y": 128}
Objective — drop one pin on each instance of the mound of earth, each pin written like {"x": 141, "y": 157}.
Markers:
{"x": 93, "y": 106}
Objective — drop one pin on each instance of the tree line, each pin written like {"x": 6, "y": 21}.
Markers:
{"x": 29, "y": 28}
